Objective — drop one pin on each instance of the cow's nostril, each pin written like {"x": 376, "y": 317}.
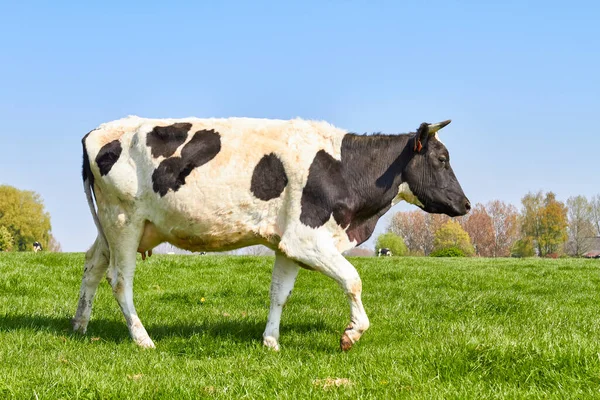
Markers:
{"x": 468, "y": 206}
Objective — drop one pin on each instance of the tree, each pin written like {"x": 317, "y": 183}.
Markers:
{"x": 580, "y": 227}
{"x": 436, "y": 221}
{"x": 595, "y": 213}
{"x": 412, "y": 227}
{"x": 22, "y": 213}
{"x": 391, "y": 241}
{"x": 544, "y": 222}
{"x": 451, "y": 234}
{"x": 53, "y": 245}
{"x": 505, "y": 224}
{"x": 554, "y": 225}
{"x": 6, "y": 239}
{"x": 531, "y": 223}
{"x": 417, "y": 229}
{"x": 480, "y": 228}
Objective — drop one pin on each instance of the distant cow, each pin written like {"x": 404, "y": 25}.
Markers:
{"x": 305, "y": 189}
{"x": 384, "y": 252}
{"x": 37, "y": 247}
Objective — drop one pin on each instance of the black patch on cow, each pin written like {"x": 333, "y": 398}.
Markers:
{"x": 108, "y": 156}
{"x": 359, "y": 189}
{"x": 325, "y": 193}
{"x": 269, "y": 178}
{"x": 171, "y": 173}
{"x": 164, "y": 140}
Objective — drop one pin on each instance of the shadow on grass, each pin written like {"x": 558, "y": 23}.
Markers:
{"x": 116, "y": 331}
{"x": 57, "y": 325}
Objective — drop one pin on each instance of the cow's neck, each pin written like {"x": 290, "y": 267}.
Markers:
{"x": 372, "y": 168}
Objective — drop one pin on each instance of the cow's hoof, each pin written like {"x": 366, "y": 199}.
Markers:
{"x": 79, "y": 326}
{"x": 271, "y": 343}
{"x": 146, "y": 343}
{"x": 345, "y": 342}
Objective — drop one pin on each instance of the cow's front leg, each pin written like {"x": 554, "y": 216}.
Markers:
{"x": 347, "y": 277}
{"x": 321, "y": 254}
{"x": 285, "y": 272}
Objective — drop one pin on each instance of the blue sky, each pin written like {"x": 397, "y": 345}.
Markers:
{"x": 519, "y": 80}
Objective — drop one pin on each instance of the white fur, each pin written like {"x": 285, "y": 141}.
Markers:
{"x": 404, "y": 193}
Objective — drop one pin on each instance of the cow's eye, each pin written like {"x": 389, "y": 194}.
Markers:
{"x": 442, "y": 159}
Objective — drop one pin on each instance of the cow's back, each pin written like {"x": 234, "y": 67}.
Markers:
{"x": 206, "y": 183}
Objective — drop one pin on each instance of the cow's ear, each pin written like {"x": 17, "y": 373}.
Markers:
{"x": 425, "y": 131}
{"x": 421, "y": 137}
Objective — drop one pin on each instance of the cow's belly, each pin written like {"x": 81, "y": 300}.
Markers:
{"x": 211, "y": 219}
{"x": 192, "y": 240}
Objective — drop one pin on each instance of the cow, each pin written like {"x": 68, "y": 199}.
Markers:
{"x": 37, "y": 246}
{"x": 305, "y": 189}
{"x": 384, "y": 252}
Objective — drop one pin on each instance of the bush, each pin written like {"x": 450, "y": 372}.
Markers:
{"x": 452, "y": 235}
{"x": 448, "y": 252}
{"x": 523, "y": 248}
{"x": 393, "y": 242}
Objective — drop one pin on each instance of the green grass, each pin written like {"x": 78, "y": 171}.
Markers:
{"x": 440, "y": 328}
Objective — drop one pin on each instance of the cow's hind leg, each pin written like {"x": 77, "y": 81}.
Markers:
{"x": 96, "y": 263}
{"x": 285, "y": 271}
{"x": 320, "y": 254}
{"x": 120, "y": 276}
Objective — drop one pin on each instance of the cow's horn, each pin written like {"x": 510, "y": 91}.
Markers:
{"x": 433, "y": 128}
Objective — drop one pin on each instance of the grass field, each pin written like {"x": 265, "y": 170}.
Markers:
{"x": 440, "y": 328}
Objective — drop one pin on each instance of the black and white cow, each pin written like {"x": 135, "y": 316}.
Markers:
{"x": 305, "y": 189}
{"x": 384, "y": 252}
{"x": 37, "y": 246}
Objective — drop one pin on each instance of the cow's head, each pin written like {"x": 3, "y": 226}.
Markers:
{"x": 429, "y": 176}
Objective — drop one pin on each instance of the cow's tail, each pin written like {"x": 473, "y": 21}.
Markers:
{"x": 88, "y": 187}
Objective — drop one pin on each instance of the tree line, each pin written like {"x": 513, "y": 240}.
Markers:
{"x": 544, "y": 226}
{"x": 23, "y": 221}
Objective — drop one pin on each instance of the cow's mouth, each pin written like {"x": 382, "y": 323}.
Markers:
{"x": 450, "y": 210}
